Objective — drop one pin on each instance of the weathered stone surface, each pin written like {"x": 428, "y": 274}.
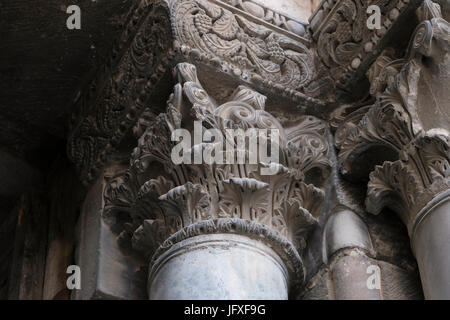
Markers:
{"x": 107, "y": 272}
{"x": 188, "y": 200}
{"x": 429, "y": 241}
{"x": 297, "y": 9}
{"x": 348, "y": 47}
{"x": 414, "y": 175}
{"x": 398, "y": 283}
{"x": 345, "y": 229}
{"x": 219, "y": 267}
{"x": 346, "y": 277}
{"x": 350, "y": 278}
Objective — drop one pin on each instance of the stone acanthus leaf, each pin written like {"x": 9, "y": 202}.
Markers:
{"x": 185, "y": 205}
{"x": 388, "y": 123}
{"x": 245, "y": 199}
{"x": 296, "y": 222}
{"x": 392, "y": 185}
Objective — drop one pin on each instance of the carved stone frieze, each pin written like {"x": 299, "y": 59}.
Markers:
{"x": 189, "y": 199}
{"x": 246, "y": 47}
{"x": 122, "y": 89}
{"x": 345, "y": 43}
{"x": 258, "y": 10}
{"x": 418, "y": 167}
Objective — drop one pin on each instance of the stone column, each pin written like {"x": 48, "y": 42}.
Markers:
{"x": 219, "y": 267}
{"x": 221, "y": 229}
{"x": 430, "y": 242}
{"x": 347, "y": 251}
{"x": 409, "y": 125}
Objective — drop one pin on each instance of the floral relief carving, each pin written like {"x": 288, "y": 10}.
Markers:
{"x": 259, "y": 69}
{"x": 247, "y": 41}
{"x": 247, "y": 49}
{"x": 344, "y": 41}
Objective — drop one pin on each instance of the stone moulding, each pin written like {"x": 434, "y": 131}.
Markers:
{"x": 282, "y": 246}
{"x": 268, "y": 17}
{"x": 191, "y": 199}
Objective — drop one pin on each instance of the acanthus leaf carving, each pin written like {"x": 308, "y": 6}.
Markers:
{"x": 299, "y": 221}
{"x": 149, "y": 235}
{"x": 435, "y": 146}
{"x": 392, "y": 185}
{"x": 245, "y": 199}
{"x": 391, "y": 122}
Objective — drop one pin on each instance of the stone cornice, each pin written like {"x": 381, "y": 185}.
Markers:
{"x": 248, "y": 49}
{"x": 261, "y": 14}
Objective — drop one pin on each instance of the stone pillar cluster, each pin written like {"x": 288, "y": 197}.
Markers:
{"x": 409, "y": 122}
{"x": 348, "y": 105}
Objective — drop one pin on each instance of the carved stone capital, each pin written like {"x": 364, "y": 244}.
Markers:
{"x": 185, "y": 200}
{"x": 405, "y": 125}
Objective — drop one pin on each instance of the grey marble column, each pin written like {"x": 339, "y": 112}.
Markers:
{"x": 219, "y": 267}
{"x": 431, "y": 245}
